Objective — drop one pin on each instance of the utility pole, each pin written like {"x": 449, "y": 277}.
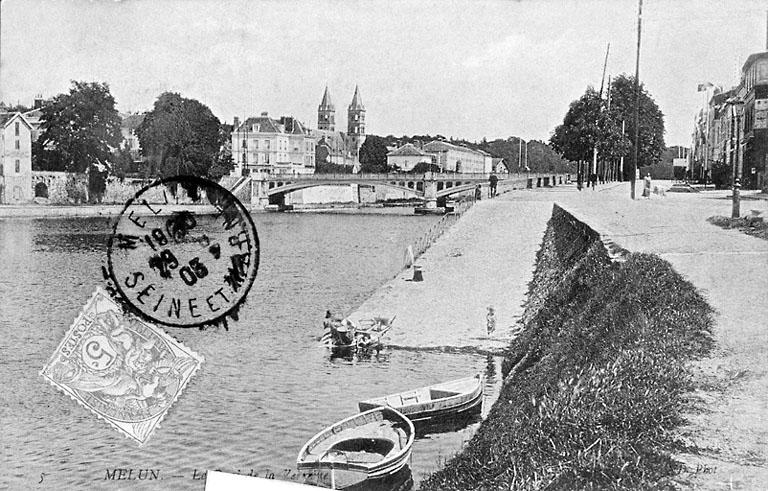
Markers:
{"x": 637, "y": 98}
{"x": 621, "y": 163}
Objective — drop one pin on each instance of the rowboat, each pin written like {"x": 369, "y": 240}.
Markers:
{"x": 435, "y": 401}
{"x": 375, "y": 442}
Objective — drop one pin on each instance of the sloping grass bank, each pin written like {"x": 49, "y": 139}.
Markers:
{"x": 596, "y": 383}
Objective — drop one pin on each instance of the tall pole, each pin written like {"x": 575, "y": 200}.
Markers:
{"x": 621, "y": 164}
{"x": 736, "y": 208}
{"x": 637, "y": 98}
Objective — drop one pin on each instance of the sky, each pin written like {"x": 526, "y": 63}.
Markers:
{"x": 466, "y": 69}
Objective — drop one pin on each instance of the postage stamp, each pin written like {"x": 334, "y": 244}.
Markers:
{"x": 183, "y": 266}
{"x": 126, "y": 371}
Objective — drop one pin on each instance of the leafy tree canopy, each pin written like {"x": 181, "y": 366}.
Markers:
{"x": 181, "y": 136}
{"x": 79, "y": 129}
{"x": 373, "y": 155}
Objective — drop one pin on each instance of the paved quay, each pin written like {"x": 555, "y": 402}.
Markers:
{"x": 487, "y": 258}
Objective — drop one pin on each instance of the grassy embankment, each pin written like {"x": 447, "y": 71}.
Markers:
{"x": 597, "y": 381}
{"x": 748, "y": 225}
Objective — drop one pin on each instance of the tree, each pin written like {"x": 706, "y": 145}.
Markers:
{"x": 181, "y": 136}
{"x": 651, "y": 120}
{"x": 80, "y": 130}
{"x": 576, "y": 137}
{"x": 373, "y": 155}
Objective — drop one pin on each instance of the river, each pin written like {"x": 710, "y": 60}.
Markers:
{"x": 266, "y": 385}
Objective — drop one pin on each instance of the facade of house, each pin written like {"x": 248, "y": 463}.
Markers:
{"x": 272, "y": 146}
{"x": 15, "y": 159}
{"x": 405, "y": 158}
{"x": 462, "y": 160}
{"x": 499, "y": 166}
{"x": 720, "y": 124}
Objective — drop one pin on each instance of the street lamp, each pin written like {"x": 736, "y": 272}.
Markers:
{"x": 736, "y": 102}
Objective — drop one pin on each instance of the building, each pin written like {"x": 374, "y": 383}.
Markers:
{"x": 128, "y": 125}
{"x": 265, "y": 145}
{"x": 15, "y": 159}
{"x": 720, "y": 124}
{"x": 499, "y": 166}
{"x": 455, "y": 158}
{"x": 405, "y": 158}
{"x": 338, "y": 147}
{"x": 753, "y": 90}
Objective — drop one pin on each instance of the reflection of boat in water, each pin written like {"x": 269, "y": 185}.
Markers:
{"x": 426, "y": 404}
{"x": 376, "y": 443}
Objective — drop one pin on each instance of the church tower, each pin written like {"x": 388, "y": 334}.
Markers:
{"x": 326, "y": 113}
{"x": 356, "y": 122}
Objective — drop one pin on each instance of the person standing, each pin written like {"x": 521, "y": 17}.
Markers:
{"x": 493, "y": 183}
{"x": 647, "y": 186}
{"x": 490, "y": 319}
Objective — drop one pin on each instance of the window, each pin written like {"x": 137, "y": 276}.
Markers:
{"x": 266, "y": 159}
{"x": 17, "y": 145}
{"x": 17, "y": 128}
{"x": 18, "y": 166}
{"x": 1, "y": 170}
{"x": 245, "y": 143}
{"x": 266, "y": 144}
{"x": 256, "y": 142}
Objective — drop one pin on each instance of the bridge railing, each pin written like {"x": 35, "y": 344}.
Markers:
{"x": 438, "y": 176}
{"x": 438, "y": 228}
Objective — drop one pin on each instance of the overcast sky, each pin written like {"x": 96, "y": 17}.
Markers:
{"x": 464, "y": 69}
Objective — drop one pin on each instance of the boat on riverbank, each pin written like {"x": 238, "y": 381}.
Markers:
{"x": 426, "y": 404}
{"x": 376, "y": 442}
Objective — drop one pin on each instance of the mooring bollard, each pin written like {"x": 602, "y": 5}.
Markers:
{"x": 417, "y": 276}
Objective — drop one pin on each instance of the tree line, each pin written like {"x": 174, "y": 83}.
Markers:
{"x": 595, "y": 120}
{"x": 80, "y": 132}
{"x": 538, "y": 155}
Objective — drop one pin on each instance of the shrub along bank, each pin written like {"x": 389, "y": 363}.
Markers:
{"x": 595, "y": 383}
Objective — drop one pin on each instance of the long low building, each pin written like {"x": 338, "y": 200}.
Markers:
{"x": 448, "y": 156}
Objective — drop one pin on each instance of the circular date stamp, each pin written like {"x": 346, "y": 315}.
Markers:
{"x": 180, "y": 267}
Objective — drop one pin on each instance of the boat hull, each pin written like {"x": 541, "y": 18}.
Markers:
{"x": 429, "y": 410}
{"x": 321, "y": 450}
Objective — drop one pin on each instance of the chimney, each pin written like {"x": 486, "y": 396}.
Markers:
{"x": 38, "y": 101}
{"x": 265, "y": 114}
{"x": 236, "y": 122}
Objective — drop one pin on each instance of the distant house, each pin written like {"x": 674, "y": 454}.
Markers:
{"x": 15, "y": 159}
{"x": 499, "y": 166}
{"x": 407, "y": 157}
{"x": 262, "y": 144}
{"x": 128, "y": 126}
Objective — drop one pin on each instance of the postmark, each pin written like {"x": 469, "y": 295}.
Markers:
{"x": 123, "y": 369}
{"x": 183, "y": 266}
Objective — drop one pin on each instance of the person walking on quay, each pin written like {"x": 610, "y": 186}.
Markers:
{"x": 478, "y": 193}
{"x": 647, "y": 186}
{"x": 593, "y": 180}
{"x": 493, "y": 180}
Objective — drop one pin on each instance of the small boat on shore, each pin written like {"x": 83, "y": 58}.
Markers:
{"x": 452, "y": 398}
{"x": 376, "y": 442}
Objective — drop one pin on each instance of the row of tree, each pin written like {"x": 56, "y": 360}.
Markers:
{"x": 80, "y": 132}
{"x": 595, "y": 121}
{"x": 538, "y": 155}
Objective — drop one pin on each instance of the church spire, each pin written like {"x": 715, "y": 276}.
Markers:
{"x": 326, "y": 103}
{"x": 326, "y": 113}
{"x": 357, "y": 101}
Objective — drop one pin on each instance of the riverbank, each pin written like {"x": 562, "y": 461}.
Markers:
{"x": 487, "y": 259}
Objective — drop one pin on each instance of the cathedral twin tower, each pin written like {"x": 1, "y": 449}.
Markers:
{"x": 326, "y": 117}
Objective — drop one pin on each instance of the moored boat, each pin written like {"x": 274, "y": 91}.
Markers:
{"x": 447, "y": 399}
{"x": 375, "y": 442}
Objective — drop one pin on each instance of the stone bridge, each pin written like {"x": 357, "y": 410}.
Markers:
{"x": 433, "y": 187}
